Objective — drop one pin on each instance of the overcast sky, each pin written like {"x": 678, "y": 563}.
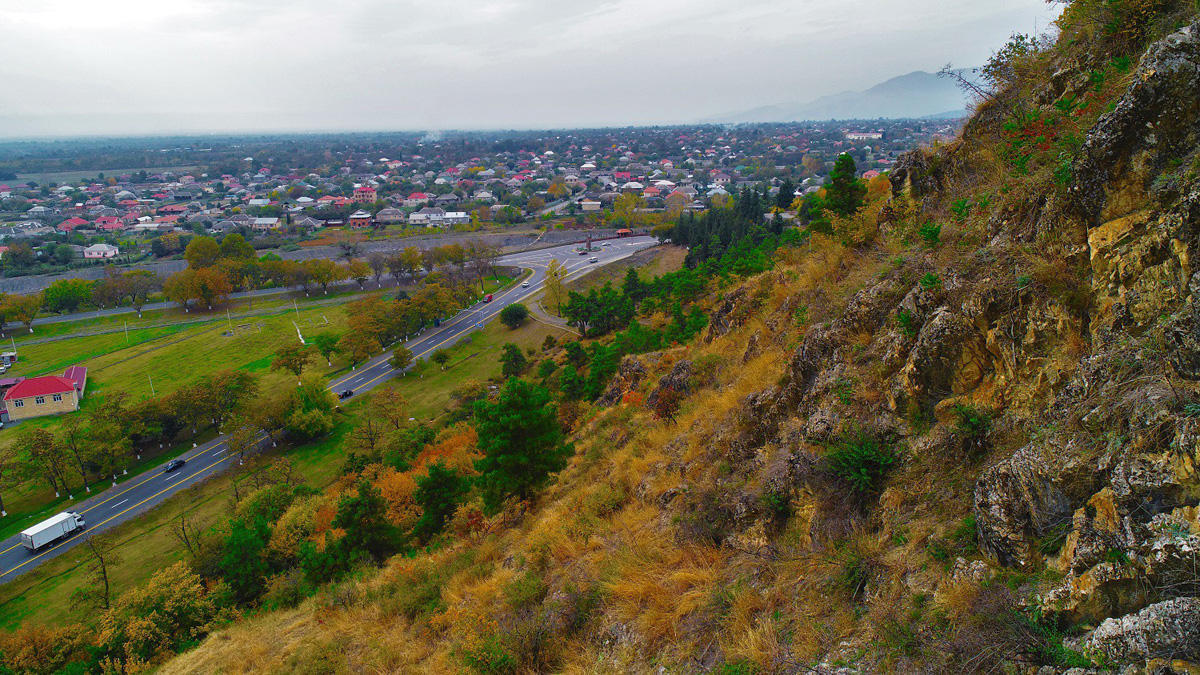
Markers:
{"x": 159, "y": 66}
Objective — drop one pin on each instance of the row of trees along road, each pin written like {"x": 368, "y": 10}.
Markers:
{"x": 217, "y": 269}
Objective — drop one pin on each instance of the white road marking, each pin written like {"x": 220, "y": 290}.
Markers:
{"x": 118, "y": 503}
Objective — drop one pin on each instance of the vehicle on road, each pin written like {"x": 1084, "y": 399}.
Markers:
{"x": 593, "y": 259}
{"x": 582, "y": 252}
{"x": 173, "y": 465}
{"x": 345, "y": 394}
{"x": 488, "y": 298}
{"x": 51, "y": 530}
{"x": 524, "y": 284}
{"x": 606, "y": 244}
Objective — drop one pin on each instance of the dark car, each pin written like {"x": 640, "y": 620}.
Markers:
{"x": 173, "y": 465}
{"x": 346, "y": 394}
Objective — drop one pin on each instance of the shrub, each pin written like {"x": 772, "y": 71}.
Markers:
{"x": 863, "y": 461}
{"x": 852, "y": 570}
{"x": 907, "y": 322}
{"x": 526, "y": 590}
{"x": 961, "y": 209}
{"x": 514, "y": 315}
{"x": 973, "y": 422}
{"x": 931, "y": 234}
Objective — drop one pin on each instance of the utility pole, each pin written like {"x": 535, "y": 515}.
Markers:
{"x": 151, "y": 384}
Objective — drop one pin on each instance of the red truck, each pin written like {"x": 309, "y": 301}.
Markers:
{"x": 488, "y": 298}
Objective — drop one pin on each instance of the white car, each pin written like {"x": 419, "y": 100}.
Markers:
{"x": 593, "y": 259}
{"x": 524, "y": 284}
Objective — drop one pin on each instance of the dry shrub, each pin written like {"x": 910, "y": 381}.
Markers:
{"x": 656, "y": 588}
{"x": 38, "y": 649}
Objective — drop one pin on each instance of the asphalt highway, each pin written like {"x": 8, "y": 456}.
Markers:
{"x": 141, "y": 493}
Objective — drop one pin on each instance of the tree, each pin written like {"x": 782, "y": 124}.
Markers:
{"x": 180, "y": 606}
{"x": 514, "y": 315}
{"x": 234, "y": 245}
{"x": 844, "y": 194}
{"x": 347, "y": 244}
{"x": 45, "y": 456}
{"x": 25, "y": 308}
{"x": 358, "y": 346}
{"x": 181, "y": 287}
{"x": 326, "y": 344}
{"x": 138, "y": 285}
{"x": 243, "y": 438}
{"x": 359, "y": 271}
{"x": 74, "y": 440}
{"x": 378, "y": 262}
{"x": 512, "y": 361}
{"x": 212, "y": 286}
{"x": 202, "y": 252}
{"x": 292, "y": 357}
{"x": 402, "y": 358}
{"x": 103, "y": 556}
{"x": 324, "y": 272}
{"x": 521, "y": 440}
{"x": 555, "y": 285}
{"x": 441, "y": 357}
{"x": 67, "y": 295}
{"x": 438, "y": 493}
{"x": 787, "y": 194}
{"x": 363, "y": 517}
{"x": 243, "y": 565}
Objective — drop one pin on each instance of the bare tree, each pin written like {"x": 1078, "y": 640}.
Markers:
{"x": 187, "y": 529}
{"x": 104, "y": 557}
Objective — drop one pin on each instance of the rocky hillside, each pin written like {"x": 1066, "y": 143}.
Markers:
{"x": 957, "y": 431}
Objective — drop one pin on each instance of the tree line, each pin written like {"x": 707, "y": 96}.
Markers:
{"x": 216, "y": 270}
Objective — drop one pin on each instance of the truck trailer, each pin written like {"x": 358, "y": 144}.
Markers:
{"x": 51, "y": 530}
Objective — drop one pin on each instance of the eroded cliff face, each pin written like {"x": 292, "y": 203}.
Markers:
{"x": 1101, "y": 378}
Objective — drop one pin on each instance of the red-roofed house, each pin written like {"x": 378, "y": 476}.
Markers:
{"x": 46, "y": 395}
{"x": 110, "y": 223}
{"x": 71, "y": 223}
{"x": 364, "y": 194}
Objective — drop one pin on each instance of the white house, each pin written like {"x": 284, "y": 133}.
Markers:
{"x": 456, "y": 218}
{"x": 100, "y": 251}
{"x": 430, "y": 215}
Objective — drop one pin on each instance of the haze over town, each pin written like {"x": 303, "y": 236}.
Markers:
{"x": 136, "y": 66}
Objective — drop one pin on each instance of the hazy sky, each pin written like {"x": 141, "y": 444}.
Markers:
{"x": 154, "y": 66}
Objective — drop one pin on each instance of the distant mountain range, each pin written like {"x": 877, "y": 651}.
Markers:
{"x": 917, "y": 94}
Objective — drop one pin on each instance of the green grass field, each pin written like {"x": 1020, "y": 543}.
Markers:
{"x": 146, "y": 542}
{"x": 154, "y": 361}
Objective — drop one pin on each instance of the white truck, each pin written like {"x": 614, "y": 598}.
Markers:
{"x": 51, "y": 530}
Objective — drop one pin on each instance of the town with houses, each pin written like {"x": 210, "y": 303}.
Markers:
{"x": 276, "y": 195}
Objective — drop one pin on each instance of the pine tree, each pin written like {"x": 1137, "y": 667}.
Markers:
{"x": 438, "y": 494}
{"x": 521, "y": 441}
{"x": 844, "y": 194}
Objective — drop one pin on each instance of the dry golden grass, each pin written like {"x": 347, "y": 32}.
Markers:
{"x": 606, "y": 525}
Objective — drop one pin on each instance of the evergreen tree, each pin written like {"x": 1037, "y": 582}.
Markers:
{"x": 512, "y": 361}
{"x": 844, "y": 194}
{"x": 438, "y": 494}
{"x": 784, "y": 199}
{"x": 570, "y": 383}
{"x": 521, "y": 441}
{"x": 243, "y": 565}
{"x": 363, "y": 516}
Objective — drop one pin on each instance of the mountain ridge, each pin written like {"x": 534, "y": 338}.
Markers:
{"x": 918, "y": 94}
